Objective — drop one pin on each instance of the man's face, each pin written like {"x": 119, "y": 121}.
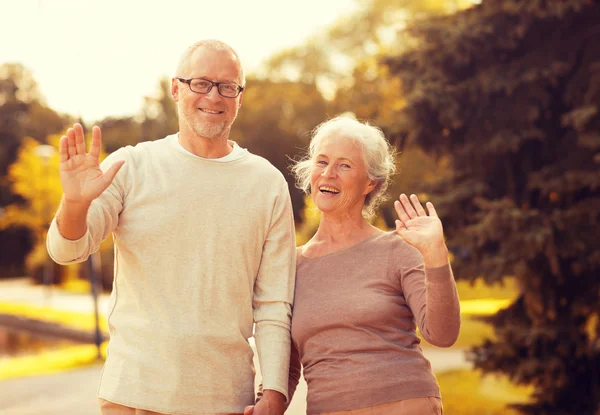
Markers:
{"x": 208, "y": 115}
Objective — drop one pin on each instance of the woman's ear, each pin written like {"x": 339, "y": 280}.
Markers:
{"x": 370, "y": 187}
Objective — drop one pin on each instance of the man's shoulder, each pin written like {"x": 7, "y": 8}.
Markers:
{"x": 144, "y": 147}
{"x": 263, "y": 166}
{"x": 159, "y": 144}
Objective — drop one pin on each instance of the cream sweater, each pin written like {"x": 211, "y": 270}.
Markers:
{"x": 203, "y": 250}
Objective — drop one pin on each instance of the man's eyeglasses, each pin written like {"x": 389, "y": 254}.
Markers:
{"x": 203, "y": 86}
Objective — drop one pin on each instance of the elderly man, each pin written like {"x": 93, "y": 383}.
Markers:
{"x": 204, "y": 251}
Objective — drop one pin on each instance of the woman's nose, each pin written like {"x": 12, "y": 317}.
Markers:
{"x": 329, "y": 171}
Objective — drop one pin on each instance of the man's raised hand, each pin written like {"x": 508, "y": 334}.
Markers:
{"x": 81, "y": 178}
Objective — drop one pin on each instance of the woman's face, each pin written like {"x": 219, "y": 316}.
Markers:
{"x": 339, "y": 181}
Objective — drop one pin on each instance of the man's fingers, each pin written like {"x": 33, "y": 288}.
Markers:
{"x": 96, "y": 142}
{"x": 79, "y": 139}
{"x": 71, "y": 149}
{"x": 248, "y": 410}
{"x": 63, "y": 149}
{"x": 112, "y": 171}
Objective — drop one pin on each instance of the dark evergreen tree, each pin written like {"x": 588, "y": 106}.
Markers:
{"x": 510, "y": 90}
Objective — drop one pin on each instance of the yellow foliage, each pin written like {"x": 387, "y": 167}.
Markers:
{"x": 36, "y": 179}
{"x": 483, "y": 306}
{"x": 507, "y": 289}
{"x": 591, "y": 327}
{"x": 310, "y": 224}
{"x": 75, "y": 285}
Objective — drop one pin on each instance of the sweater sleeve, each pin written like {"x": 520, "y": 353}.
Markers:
{"x": 273, "y": 295}
{"x": 294, "y": 376}
{"x": 432, "y": 297}
{"x": 102, "y": 219}
{"x": 295, "y": 371}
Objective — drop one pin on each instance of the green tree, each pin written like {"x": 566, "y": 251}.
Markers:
{"x": 23, "y": 113}
{"x": 330, "y": 55}
{"x": 38, "y": 186}
{"x": 510, "y": 91}
{"x": 156, "y": 119}
{"x": 275, "y": 121}
{"x": 159, "y": 113}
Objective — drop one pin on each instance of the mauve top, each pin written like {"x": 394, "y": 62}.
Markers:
{"x": 354, "y": 324}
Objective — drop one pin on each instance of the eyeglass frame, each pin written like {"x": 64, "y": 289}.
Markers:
{"x": 188, "y": 81}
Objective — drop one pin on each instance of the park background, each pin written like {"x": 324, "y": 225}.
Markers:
{"x": 493, "y": 107}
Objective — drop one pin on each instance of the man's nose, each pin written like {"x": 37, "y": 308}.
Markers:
{"x": 213, "y": 93}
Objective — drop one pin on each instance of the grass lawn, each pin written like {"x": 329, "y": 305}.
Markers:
{"x": 53, "y": 359}
{"x": 50, "y": 361}
{"x": 472, "y": 332}
{"x": 466, "y": 392}
{"x": 81, "y": 321}
{"x": 479, "y": 299}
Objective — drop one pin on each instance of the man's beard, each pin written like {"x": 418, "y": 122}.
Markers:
{"x": 208, "y": 129}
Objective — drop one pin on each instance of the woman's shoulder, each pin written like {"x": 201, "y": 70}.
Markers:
{"x": 402, "y": 251}
{"x": 378, "y": 241}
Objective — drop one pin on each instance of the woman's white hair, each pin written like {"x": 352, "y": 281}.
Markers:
{"x": 211, "y": 44}
{"x": 379, "y": 156}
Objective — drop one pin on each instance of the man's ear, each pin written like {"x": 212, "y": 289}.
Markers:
{"x": 241, "y": 98}
{"x": 175, "y": 89}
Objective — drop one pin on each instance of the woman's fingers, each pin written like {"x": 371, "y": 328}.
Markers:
{"x": 402, "y": 215}
{"x": 400, "y": 226}
{"x": 408, "y": 207}
{"x": 431, "y": 210}
{"x": 417, "y": 205}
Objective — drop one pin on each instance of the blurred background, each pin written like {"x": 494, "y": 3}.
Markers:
{"x": 493, "y": 106}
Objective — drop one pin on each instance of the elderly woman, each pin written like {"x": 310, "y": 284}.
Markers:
{"x": 361, "y": 292}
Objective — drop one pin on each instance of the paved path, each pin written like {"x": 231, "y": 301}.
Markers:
{"x": 66, "y": 393}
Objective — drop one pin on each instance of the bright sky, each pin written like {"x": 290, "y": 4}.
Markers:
{"x": 97, "y": 58}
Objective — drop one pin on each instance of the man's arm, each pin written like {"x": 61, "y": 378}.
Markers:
{"x": 273, "y": 296}
{"x": 83, "y": 181}
{"x": 71, "y": 219}
{"x": 294, "y": 379}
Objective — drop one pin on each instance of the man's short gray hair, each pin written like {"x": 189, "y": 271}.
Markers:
{"x": 211, "y": 44}
{"x": 379, "y": 156}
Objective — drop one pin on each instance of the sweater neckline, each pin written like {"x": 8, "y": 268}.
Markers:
{"x": 173, "y": 140}
{"x": 348, "y": 249}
